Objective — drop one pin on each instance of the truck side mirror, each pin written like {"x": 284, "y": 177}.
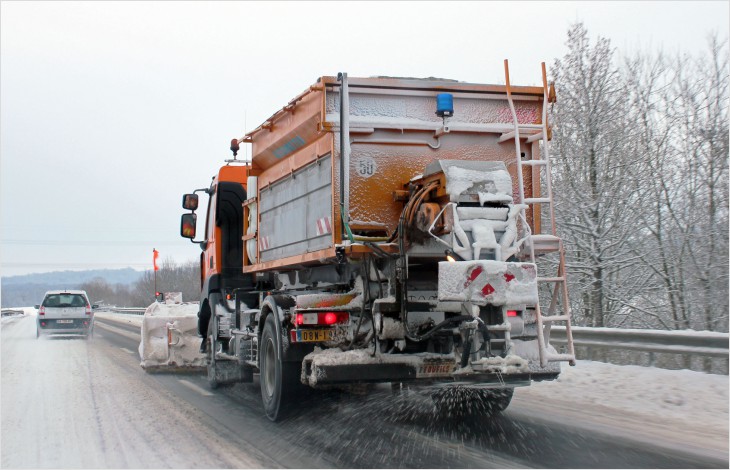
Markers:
{"x": 188, "y": 223}
{"x": 190, "y": 201}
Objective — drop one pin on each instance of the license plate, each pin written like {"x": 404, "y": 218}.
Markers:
{"x": 64, "y": 321}
{"x": 313, "y": 336}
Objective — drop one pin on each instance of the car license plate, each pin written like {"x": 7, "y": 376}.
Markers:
{"x": 314, "y": 336}
{"x": 64, "y": 321}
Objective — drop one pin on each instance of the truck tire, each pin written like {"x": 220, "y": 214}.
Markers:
{"x": 278, "y": 378}
{"x": 210, "y": 353}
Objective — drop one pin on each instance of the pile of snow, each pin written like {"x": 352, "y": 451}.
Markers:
{"x": 691, "y": 403}
{"x": 643, "y": 390}
{"x": 170, "y": 336}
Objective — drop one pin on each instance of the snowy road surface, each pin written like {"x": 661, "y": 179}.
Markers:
{"x": 68, "y": 402}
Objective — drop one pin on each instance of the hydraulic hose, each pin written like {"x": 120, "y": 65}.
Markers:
{"x": 440, "y": 326}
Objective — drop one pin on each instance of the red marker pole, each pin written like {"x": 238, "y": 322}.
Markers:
{"x": 155, "y": 254}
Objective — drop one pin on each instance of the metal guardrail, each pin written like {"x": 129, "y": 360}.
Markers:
{"x": 7, "y": 312}
{"x": 656, "y": 341}
{"x": 703, "y": 344}
{"x": 696, "y": 350}
{"x": 131, "y": 310}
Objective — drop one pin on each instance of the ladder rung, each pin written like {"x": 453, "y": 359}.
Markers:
{"x": 555, "y": 318}
{"x": 534, "y": 162}
{"x": 534, "y": 137}
{"x": 559, "y": 357}
{"x": 526, "y": 132}
{"x": 499, "y": 327}
{"x": 537, "y": 200}
{"x": 506, "y": 136}
{"x": 551, "y": 279}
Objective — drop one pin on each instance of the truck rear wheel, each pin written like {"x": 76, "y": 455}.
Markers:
{"x": 278, "y": 378}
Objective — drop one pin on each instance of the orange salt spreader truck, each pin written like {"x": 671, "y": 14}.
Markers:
{"x": 386, "y": 230}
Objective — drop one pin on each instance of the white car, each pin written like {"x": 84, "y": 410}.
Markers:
{"x": 65, "y": 312}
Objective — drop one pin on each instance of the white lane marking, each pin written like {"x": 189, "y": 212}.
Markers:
{"x": 192, "y": 386}
{"x": 127, "y": 350}
{"x": 116, "y": 330}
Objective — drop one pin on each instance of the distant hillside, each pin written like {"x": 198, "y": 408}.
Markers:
{"x": 28, "y": 290}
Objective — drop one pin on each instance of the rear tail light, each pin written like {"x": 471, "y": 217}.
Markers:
{"x": 321, "y": 318}
{"x": 511, "y": 313}
{"x": 42, "y": 311}
{"x": 88, "y": 309}
{"x": 43, "y": 323}
{"x": 86, "y": 323}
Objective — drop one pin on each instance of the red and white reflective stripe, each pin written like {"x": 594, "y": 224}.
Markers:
{"x": 477, "y": 280}
{"x": 264, "y": 243}
{"x": 324, "y": 226}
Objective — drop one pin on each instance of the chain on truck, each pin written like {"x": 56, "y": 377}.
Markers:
{"x": 385, "y": 230}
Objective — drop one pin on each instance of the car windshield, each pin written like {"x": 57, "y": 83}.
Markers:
{"x": 64, "y": 300}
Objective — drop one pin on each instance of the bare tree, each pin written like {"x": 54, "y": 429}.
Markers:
{"x": 700, "y": 212}
{"x": 171, "y": 277}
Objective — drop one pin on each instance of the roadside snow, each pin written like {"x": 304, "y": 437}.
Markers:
{"x": 121, "y": 317}
{"x": 685, "y": 406}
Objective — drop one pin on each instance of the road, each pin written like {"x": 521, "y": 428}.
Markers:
{"x": 70, "y": 402}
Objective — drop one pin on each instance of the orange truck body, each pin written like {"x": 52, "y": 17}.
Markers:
{"x": 307, "y": 129}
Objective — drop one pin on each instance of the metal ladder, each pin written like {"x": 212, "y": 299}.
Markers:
{"x": 541, "y": 244}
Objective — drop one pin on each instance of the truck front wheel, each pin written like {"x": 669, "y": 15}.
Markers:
{"x": 210, "y": 352}
{"x": 278, "y": 378}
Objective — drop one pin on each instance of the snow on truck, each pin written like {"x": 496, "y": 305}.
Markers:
{"x": 385, "y": 230}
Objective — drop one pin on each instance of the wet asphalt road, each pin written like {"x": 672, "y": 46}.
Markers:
{"x": 382, "y": 430}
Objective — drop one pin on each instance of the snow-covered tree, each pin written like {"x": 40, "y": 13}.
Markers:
{"x": 641, "y": 185}
{"x": 595, "y": 183}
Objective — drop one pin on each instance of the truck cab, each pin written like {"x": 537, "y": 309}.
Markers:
{"x": 222, "y": 253}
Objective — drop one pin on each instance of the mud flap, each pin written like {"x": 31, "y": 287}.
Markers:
{"x": 230, "y": 372}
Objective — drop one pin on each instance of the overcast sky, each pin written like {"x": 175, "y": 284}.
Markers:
{"x": 111, "y": 111}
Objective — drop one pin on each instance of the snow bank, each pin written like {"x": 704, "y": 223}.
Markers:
{"x": 10, "y": 313}
{"x": 682, "y": 401}
{"x": 170, "y": 336}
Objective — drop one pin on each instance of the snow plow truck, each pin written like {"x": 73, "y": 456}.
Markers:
{"x": 385, "y": 230}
